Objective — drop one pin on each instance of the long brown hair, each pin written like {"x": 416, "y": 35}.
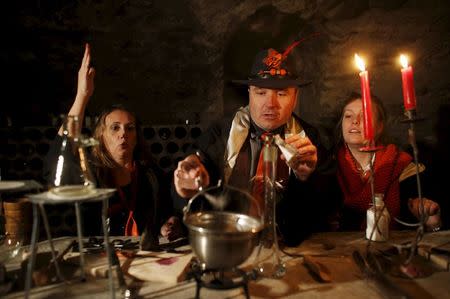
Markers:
{"x": 381, "y": 117}
{"x": 100, "y": 153}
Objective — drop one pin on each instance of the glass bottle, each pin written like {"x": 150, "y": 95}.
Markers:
{"x": 378, "y": 220}
{"x": 71, "y": 175}
{"x": 290, "y": 153}
{"x": 269, "y": 263}
{"x": 14, "y": 225}
{"x": 11, "y": 231}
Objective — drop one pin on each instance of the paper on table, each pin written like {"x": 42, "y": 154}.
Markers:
{"x": 170, "y": 268}
{"x": 436, "y": 247}
{"x": 143, "y": 265}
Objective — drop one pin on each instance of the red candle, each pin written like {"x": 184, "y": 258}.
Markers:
{"x": 366, "y": 100}
{"x": 409, "y": 95}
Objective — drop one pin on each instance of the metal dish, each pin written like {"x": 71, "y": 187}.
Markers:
{"x": 222, "y": 240}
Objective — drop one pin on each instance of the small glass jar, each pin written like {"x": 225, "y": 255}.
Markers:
{"x": 378, "y": 220}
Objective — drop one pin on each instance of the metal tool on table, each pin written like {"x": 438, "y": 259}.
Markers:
{"x": 320, "y": 270}
{"x": 95, "y": 245}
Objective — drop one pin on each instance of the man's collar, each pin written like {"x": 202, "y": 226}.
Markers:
{"x": 256, "y": 132}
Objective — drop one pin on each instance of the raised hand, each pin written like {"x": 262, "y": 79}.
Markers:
{"x": 86, "y": 74}
{"x": 85, "y": 87}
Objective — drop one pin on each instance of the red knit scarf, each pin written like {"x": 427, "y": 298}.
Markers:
{"x": 388, "y": 165}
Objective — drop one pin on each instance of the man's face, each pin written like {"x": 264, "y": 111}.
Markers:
{"x": 271, "y": 108}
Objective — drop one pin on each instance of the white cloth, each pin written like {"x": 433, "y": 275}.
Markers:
{"x": 238, "y": 134}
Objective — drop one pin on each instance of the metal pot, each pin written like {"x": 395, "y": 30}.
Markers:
{"x": 222, "y": 240}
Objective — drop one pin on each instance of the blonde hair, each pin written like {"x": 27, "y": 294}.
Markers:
{"x": 100, "y": 153}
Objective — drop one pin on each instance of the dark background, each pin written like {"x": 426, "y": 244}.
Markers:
{"x": 172, "y": 62}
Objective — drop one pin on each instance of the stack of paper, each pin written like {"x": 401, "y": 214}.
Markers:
{"x": 143, "y": 265}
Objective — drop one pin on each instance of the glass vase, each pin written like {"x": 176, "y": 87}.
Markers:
{"x": 71, "y": 175}
{"x": 268, "y": 259}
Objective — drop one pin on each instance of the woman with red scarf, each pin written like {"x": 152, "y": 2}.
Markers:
{"x": 394, "y": 172}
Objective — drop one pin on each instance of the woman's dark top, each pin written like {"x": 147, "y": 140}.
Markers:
{"x": 152, "y": 204}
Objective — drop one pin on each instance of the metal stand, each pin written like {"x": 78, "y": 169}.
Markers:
{"x": 411, "y": 119}
{"x": 43, "y": 198}
{"x": 219, "y": 281}
{"x": 108, "y": 247}
{"x": 372, "y": 149}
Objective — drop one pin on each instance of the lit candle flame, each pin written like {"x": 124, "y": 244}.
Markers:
{"x": 404, "y": 61}
{"x": 360, "y": 63}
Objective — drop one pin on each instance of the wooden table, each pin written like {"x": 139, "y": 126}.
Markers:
{"x": 332, "y": 250}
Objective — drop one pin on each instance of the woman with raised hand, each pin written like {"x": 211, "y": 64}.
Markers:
{"x": 141, "y": 203}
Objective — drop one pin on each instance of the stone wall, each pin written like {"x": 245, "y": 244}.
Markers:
{"x": 171, "y": 61}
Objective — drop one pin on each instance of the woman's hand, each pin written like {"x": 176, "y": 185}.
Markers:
{"x": 430, "y": 208}
{"x": 308, "y": 156}
{"x": 172, "y": 229}
{"x": 85, "y": 87}
{"x": 86, "y": 74}
{"x": 189, "y": 176}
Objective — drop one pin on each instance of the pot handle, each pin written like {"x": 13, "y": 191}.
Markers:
{"x": 219, "y": 203}
{"x": 201, "y": 191}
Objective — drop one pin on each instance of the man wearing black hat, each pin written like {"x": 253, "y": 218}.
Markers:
{"x": 230, "y": 152}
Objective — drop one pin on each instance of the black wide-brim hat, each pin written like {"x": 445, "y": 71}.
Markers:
{"x": 272, "y": 69}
